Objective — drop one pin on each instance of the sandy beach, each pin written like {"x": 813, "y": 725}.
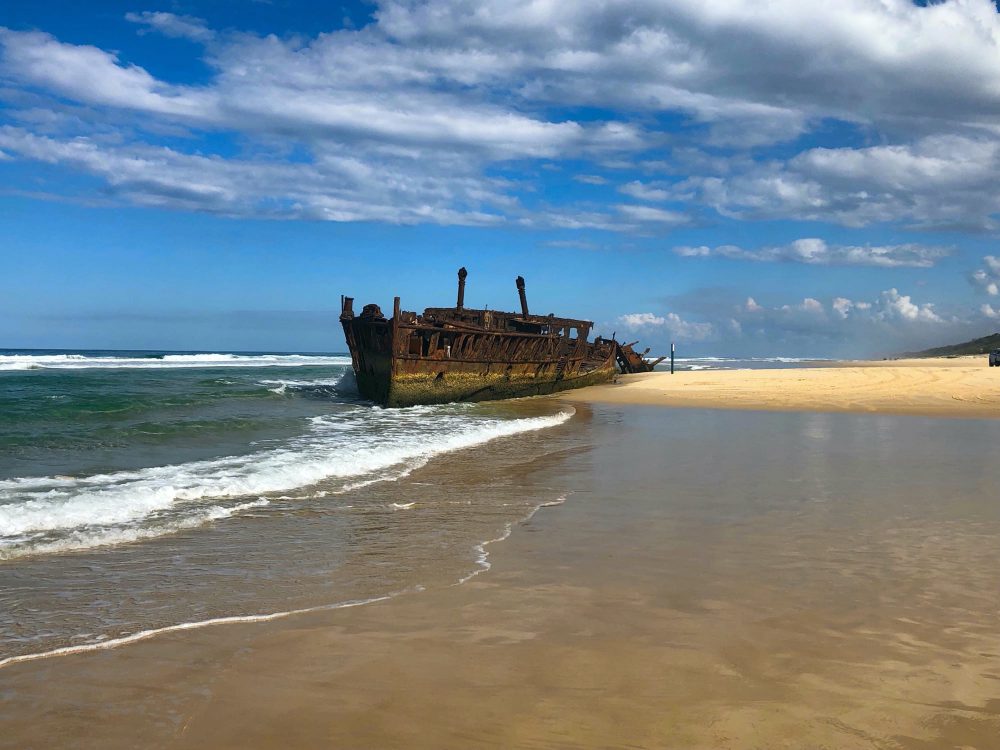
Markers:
{"x": 942, "y": 387}
{"x": 713, "y": 579}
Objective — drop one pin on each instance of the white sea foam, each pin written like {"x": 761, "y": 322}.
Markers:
{"x": 89, "y": 537}
{"x": 753, "y": 359}
{"x": 357, "y": 444}
{"x": 142, "y": 635}
{"x": 483, "y": 556}
{"x": 281, "y": 386}
{"x": 167, "y": 361}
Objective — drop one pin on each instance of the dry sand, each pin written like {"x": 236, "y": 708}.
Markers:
{"x": 944, "y": 387}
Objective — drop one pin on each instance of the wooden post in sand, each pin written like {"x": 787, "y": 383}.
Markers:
{"x": 671, "y": 357}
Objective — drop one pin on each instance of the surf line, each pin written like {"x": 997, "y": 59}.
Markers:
{"x": 483, "y": 555}
{"x": 482, "y": 561}
{"x": 143, "y": 635}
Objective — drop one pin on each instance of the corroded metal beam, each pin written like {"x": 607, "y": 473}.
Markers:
{"x": 462, "y": 273}
{"x": 521, "y": 294}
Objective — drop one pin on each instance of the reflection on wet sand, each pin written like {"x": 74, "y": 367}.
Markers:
{"x": 714, "y": 580}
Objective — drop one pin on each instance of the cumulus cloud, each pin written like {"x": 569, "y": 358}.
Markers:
{"x": 892, "y": 305}
{"x": 945, "y": 181}
{"x": 490, "y": 82}
{"x": 988, "y": 279}
{"x": 640, "y": 320}
{"x": 890, "y": 322}
{"x": 755, "y": 71}
{"x": 840, "y": 325}
{"x": 671, "y": 323}
{"x": 815, "y": 251}
{"x": 271, "y": 88}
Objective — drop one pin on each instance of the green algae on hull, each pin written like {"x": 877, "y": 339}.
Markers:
{"x": 435, "y": 388}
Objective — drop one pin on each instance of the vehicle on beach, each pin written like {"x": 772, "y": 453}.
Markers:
{"x": 995, "y": 358}
{"x": 457, "y": 354}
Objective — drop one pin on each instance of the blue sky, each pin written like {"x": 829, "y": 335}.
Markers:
{"x": 794, "y": 177}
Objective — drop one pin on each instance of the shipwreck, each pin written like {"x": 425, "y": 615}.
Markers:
{"x": 458, "y": 354}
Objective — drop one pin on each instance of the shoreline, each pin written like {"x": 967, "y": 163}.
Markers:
{"x": 961, "y": 387}
{"x": 754, "y": 604}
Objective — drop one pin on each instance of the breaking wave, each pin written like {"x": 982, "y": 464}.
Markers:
{"x": 10, "y": 362}
{"x": 359, "y": 445}
{"x": 318, "y": 386}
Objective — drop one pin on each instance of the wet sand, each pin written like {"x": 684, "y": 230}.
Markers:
{"x": 944, "y": 387}
{"x": 714, "y": 580}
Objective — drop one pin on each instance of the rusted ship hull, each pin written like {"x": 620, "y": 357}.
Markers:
{"x": 427, "y": 385}
{"x": 458, "y": 354}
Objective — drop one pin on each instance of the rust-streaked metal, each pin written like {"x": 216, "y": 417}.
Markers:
{"x": 457, "y": 354}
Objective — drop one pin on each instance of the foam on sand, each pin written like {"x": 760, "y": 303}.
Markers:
{"x": 483, "y": 556}
{"x": 143, "y": 635}
{"x": 482, "y": 563}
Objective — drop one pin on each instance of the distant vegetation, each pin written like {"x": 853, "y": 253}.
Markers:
{"x": 976, "y": 346}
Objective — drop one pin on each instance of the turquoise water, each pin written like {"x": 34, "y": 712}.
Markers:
{"x": 144, "y": 489}
{"x": 141, "y": 490}
{"x": 94, "y": 412}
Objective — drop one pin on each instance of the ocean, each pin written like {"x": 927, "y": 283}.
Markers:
{"x": 149, "y": 490}
{"x": 660, "y": 576}
{"x": 144, "y": 490}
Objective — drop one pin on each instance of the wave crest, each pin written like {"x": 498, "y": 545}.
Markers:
{"x": 10, "y": 362}
{"x": 361, "y": 443}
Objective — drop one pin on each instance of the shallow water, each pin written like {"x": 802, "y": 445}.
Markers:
{"x": 713, "y": 579}
{"x": 143, "y": 492}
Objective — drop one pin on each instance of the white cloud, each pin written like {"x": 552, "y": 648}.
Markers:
{"x": 671, "y": 323}
{"x": 815, "y": 251}
{"x": 91, "y": 75}
{"x": 172, "y": 25}
{"x": 811, "y": 305}
{"x": 892, "y": 305}
{"x": 811, "y": 316}
{"x": 640, "y": 320}
{"x": 265, "y": 86}
{"x": 988, "y": 279}
{"x": 937, "y": 181}
{"x": 336, "y": 187}
{"x": 891, "y": 322}
{"x": 642, "y": 192}
{"x": 757, "y": 71}
{"x": 480, "y": 82}
{"x": 653, "y": 215}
